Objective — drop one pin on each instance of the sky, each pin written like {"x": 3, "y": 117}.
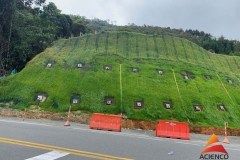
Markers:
{"x": 217, "y": 17}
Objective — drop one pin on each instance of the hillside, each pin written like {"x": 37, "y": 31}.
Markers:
{"x": 212, "y": 80}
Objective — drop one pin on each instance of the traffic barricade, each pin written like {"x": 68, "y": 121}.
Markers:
{"x": 106, "y": 122}
{"x": 95, "y": 122}
{"x": 170, "y": 129}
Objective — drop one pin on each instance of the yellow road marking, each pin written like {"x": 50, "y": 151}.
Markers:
{"x": 60, "y": 149}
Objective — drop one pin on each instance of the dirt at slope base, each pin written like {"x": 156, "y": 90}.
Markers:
{"x": 84, "y": 118}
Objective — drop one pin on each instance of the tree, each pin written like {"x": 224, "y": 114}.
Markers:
{"x": 65, "y": 22}
{"x": 28, "y": 3}
{"x": 6, "y": 19}
{"x": 221, "y": 44}
{"x": 3, "y": 48}
{"x": 80, "y": 24}
{"x": 39, "y": 2}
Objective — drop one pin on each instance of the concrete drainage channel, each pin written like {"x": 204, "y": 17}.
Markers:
{"x": 83, "y": 118}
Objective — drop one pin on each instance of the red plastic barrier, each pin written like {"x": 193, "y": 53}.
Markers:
{"x": 106, "y": 122}
{"x": 173, "y": 130}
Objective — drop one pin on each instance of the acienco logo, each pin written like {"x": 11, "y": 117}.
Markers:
{"x": 216, "y": 148}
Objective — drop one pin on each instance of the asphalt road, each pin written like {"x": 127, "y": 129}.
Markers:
{"x": 42, "y": 139}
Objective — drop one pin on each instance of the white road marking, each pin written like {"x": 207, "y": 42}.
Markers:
{"x": 189, "y": 143}
{"x": 39, "y": 124}
{"x": 128, "y": 135}
{"x": 49, "y": 156}
{"x": 232, "y": 149}
{"x": 119, "y": 133}
{"x": 204, "y": 145}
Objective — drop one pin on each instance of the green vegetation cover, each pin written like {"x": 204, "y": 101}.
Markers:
{"x": 212, "y": 79}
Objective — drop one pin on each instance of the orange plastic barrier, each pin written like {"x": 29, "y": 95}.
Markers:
{"x": 169, "y": 129}
{"x": 106, "y": 122}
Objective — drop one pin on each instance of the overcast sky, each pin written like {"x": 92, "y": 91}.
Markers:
{"x": 217, "y": 17}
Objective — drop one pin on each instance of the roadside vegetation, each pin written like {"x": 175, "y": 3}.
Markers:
{"x": 176, "y": 57}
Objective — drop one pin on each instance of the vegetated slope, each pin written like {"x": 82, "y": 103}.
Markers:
{"x": 148, "y": 53}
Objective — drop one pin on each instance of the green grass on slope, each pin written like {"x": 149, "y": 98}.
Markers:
{"x": 145, "y": 52}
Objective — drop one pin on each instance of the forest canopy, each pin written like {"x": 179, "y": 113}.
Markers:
{"x": 28, "y": 27}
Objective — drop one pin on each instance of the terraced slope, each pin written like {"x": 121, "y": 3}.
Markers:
{"x": 122, "y": 52}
